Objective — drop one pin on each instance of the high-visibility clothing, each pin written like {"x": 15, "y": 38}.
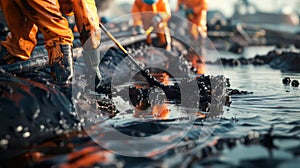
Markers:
{"x": 197, "y": 17}
{"x": 143, "y": 14}
{"x": 25, "y": 18}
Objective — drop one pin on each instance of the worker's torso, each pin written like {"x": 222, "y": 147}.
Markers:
{"x": 193, "y": 3}
{"x": 198, "y": 19}
{"x": 149, "y": 11}
{"x": 160, "y": 6}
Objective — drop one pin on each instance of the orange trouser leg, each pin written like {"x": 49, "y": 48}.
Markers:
{"x": 149, "y": 39}
{"x": 22, "y": 38}
{"x": 47, "y": 16}
{"x": 197, "y": 39}
{"x": 87, "y": 22}
{"x": 194, "y": 33}
{"x": 164, "y": 36}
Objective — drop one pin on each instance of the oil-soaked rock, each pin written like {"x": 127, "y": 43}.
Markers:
{"x": 237, "y": 92}
{"x": 286, "y": 61}
{"x": 295, "y": 83}
{"x": 286, "y": 80}
{"x": 210, "y": 94}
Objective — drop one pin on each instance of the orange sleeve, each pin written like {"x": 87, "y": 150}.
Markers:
{"x": 136, "y": 15}
{"x": 201, "y": 5}
{"x": 66, "y": 7}
{"x": 165, "y": 9}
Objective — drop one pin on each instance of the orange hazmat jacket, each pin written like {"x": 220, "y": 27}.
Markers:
{"x": 198, "y": 18}
{"x": 143, "y": 14}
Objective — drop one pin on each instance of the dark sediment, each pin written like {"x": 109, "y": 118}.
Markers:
{"x": 286, "y": 61}
{"x": 32, "y": 112}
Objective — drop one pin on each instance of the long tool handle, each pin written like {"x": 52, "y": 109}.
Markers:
{"x": 146, "y": 74}
{"x": 149, "y": 30}
{"x": 120, "y": 46}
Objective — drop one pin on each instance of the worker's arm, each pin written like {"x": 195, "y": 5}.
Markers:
{"x": 201, "y": 5}
{"x": 136, "y": 13}
{"x": 66, "y": 7}
{"x": 165, "y": 10}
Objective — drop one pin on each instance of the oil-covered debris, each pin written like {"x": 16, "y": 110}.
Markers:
{"x": 288, "y": 81}
{"x": 257, "y": 60}
{"x": 286, "y": 61}
{"x": 209, "y": 94}
{"x": 231, "y": 91}
{"x": 237, "y": 92}
{"x": 295, "y": 83}
{"x": 32, "y": 112}
{"x": 210, "y": 91}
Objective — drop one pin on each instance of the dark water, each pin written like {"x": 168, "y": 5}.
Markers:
{"x": 271, "y": 104}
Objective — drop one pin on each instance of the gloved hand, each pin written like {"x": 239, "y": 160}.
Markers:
{"x": 92, "y": 60}
{"x": 189, "y": 12}
{"x": 181, "y": 7}
{"x": 181, "y": 10}
{"x": 157, "y": 19}
{"x": 138, "y": 30}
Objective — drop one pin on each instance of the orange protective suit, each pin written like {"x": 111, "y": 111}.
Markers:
{"x": 198, "y": 18}
{"x": 197, "y": 31}
{"x": 86, "y": 17}
{"x": 26, "y": 17}
{"x": 143, "y": 14}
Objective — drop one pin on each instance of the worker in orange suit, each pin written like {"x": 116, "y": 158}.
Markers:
{"x": 25, "y": 18}
{"x": 195, "y": 11}
{"x": 156, "y": 13}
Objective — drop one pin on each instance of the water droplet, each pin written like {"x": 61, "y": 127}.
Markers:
{"x": 59, "y": 131}
{"x": 26, "y": 134}
{"x": 36, "y": 114}
{"x": 19, "y": 128}
{"x": 82, "y": 120}
{"x": 3, "y": 142}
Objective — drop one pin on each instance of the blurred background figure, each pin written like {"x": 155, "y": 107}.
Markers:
{"x": 195, "y": 11}
{"x": 156, "y": 14}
